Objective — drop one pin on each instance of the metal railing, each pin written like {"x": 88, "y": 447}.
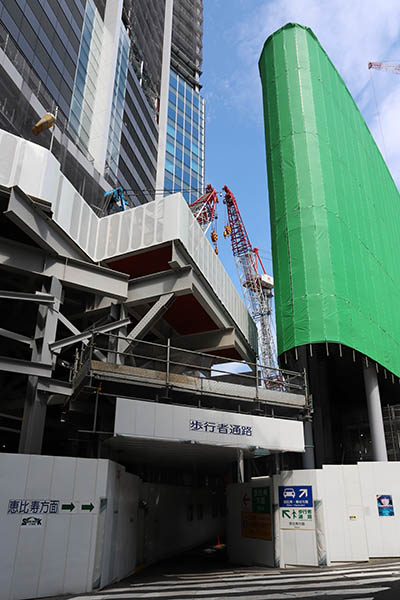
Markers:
{"x": 173, "y": 362}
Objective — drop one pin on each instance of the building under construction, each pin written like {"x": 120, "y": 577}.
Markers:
{"x": 334, "y": 219}
{"x": 130, "y": 389}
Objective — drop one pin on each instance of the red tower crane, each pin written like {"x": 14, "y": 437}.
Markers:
{"x": 204, "y": 209}
{"x": 256, "y": 284}
{"x": 385, "y": 66}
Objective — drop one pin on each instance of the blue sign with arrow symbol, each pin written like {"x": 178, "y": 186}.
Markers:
{"x": 295, "y": 496}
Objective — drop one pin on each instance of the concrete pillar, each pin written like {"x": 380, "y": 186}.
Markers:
{"x": 375, "y": 414}
{"x": 308, "y": 456}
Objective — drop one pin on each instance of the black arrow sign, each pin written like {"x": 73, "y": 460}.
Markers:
{"x": 69, "y": 507}
{"x": 88, "y": 507}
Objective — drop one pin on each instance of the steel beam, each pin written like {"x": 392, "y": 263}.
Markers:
{"x": 145, "y": 324}
{"x": 85, "y": 335}
{"x": 29, "y": 217}
{"x": 17, "y": 337}
{"x": 67, "y": 323}
{"x": 53, "y": 386}
{"x": 72, "y": 273}
{"x": 25, "y": 367}
{"x": 35, "y": 407}
{"x": 39, "y": 298}
{"x": 149, "y": 288}
{"x": 208, "y": 341}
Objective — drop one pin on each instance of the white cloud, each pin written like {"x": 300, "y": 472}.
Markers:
{"x": 353, "y": 32}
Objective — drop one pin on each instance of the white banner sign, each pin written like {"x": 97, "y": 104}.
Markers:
{"x": 138, "y": 419}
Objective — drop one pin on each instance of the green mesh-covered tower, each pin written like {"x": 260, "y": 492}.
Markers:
{"x": 334, "y": 207}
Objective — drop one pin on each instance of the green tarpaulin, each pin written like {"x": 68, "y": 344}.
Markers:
{"x": 334, "y": 208}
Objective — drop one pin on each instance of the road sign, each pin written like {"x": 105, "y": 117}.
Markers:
{"x": 295, "y": 496}
{"x": 297, "y": 518}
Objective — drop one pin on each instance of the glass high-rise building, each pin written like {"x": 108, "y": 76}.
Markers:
{"x": 110, "y": 67}
{"x": 180, "y": 162}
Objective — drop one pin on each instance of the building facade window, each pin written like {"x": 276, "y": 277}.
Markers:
{"x": 117, "y": 111}
{"x": 185, "y": 140}
{"x": 82, "y": 105}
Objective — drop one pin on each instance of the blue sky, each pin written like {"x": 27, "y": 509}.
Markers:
{"x": 353, "y": 32}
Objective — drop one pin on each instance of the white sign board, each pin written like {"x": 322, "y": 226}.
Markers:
{"x": 297, "y": 518}
{"x": 138, "y": 419}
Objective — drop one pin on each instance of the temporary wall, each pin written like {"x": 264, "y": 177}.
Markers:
{"x": 335, "y": 210}
{"x": 67, "y": 525}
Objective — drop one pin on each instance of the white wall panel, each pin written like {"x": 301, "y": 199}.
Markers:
{"x": 300, "y": 546}
{"x": 58, "y": 556}
{"x": 345, "y": 528}
{"x": 383, "y": 533}
{"x": 11, "y": 478}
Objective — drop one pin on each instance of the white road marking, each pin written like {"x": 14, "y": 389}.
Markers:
{"x": 278, "y": 587}
{"x": 254, "y": 575}
{"x": 205, "y": 582}
{"x": 307, "y": 595}
{"x": 228, "y": 583}
{"x": 266, "y": 596}
{"x": 249, "y": 571}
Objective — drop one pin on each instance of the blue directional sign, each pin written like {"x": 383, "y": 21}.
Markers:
{"x": 295, "y": 495}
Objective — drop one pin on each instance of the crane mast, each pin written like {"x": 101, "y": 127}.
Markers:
{"x": 257, "y": 287}
{"x": 203, "y": 209}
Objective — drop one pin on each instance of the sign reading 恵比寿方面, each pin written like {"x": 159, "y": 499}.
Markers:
{"x": 33, "y": 507}
{"x": 24, "y": 506}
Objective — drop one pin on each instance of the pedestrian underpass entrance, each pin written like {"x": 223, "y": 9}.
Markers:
{"x": 167, "y": 437}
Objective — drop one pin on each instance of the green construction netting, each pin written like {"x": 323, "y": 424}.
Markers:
{"x": 334, "y": 207}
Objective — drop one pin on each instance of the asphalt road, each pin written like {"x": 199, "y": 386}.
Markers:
{"x": 206, "y": 575}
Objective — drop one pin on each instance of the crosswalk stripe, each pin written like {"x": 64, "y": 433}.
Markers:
{"x": 317, "y": 576}
{"x": 162, "y": 586}
{"x": 278, "y": 587}
{"x": 250, "y": 571}
{"x": 308, "y": 594}
{"x": 325, "y": 573}
{"x": 277, "y": 596}
{"x": 328, "y": 571}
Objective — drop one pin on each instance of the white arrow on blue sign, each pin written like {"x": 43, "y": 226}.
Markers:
{"x": 295, "y": 495}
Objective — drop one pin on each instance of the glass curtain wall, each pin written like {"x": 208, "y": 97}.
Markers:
{"x": 81, "y": 114}
{"x": 184, "y": 161}
{"x": 117, "y": 112}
